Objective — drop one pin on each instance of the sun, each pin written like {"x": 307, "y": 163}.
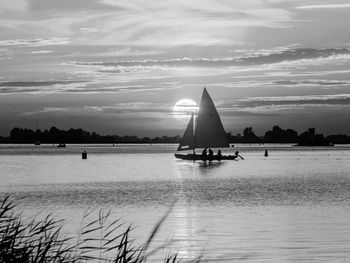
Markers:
{"x": 184, "y": 108}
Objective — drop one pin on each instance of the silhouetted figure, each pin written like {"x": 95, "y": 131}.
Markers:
{"x": 237, "y": 155}
{"x": 84, "y": 155}
{"x": 211, "y": 153}
{"x": 219, "y": 154}
{"x": 204, "y": 153}
{"x": 266, "y": 153}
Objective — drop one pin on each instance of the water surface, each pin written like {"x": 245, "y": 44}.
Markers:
{"x": 292, "y": 206}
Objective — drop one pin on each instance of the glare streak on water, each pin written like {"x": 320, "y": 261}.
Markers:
{"x": 290, "y": 207}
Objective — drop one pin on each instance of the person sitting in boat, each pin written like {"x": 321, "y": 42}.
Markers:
{"x": 219, "y": 154}
{"x": 211, "y": 153}
{"x": 236, "y": 154}
{"x": 204, "y": 152}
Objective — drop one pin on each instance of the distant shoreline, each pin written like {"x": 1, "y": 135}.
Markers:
{"x": 79, "y": 136}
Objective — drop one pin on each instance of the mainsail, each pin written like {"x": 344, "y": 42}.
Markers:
{"x": 209, "y": 131}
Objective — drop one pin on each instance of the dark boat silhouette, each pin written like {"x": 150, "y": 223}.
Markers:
{"x": 205, "y": 130}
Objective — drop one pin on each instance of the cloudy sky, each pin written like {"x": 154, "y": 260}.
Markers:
{"x": 119, "y": 66}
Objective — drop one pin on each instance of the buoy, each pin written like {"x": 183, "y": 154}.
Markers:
{"x": 84, "y": 155}
{"x": 266, "y": 153}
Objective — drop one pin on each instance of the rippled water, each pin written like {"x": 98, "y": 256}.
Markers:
{"x": 292, "y": 206}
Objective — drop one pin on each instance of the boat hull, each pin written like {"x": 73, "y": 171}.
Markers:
{"x": 199, "y": 157}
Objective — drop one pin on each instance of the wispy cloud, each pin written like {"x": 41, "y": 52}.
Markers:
{"x": 38, "y": 87}
{"x": 270, "y": 106}
{"x": 165, "y": 23}
{"x": 192, "y": 22}
{"x": 136, "y": 75}
{"x": 132, "y": 107}
{"x": 51, "y": 111}
{"x": 40, "y": 51}
{"x": 34, "y": 83}
{"x": 311, "y": 82}
{"x": 308, "y": 98}
{"x": 38, "y": 42}
{"x": 119, "y": 108}
{"x": 256, "y": 58}
{"x": 14, "y": 6}
{"x": 326, "y": 6}
{"x": 77, "y": 87}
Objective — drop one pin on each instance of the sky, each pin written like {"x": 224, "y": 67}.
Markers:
{"x": 120, "y": 66}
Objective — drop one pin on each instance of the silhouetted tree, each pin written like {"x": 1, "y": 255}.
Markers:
{"x": 339, "y": 139}
{"x": 249, "y": 136}
{"x": 310, "y": 138}
{"x": 278, "y": 135}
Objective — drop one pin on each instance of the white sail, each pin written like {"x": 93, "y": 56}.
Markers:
{"x": 186, "y": 142}
{"x": 209, "y": 130}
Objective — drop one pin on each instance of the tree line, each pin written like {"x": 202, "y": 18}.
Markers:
{"x": 275, "y": 135}
{"x": 279, "y": 135}
{"x": 55, "y": 135}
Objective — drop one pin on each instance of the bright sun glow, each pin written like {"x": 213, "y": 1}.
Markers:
{"x": 184, "y": 108}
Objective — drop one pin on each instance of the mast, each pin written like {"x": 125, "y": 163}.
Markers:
{"x": 194, "y": 133}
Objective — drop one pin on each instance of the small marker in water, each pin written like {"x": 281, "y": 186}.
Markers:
{"x": 266, "y": 153}
{"x": 84, "y": 155}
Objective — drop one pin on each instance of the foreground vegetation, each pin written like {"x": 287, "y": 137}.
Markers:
{"x": 100, "y": 240}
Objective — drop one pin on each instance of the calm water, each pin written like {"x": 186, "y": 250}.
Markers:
{"x": 293, "y": 206}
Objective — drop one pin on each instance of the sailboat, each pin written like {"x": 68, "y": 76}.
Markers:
{"x": 204, "y": 130}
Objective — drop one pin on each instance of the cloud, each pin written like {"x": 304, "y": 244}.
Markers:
{"x": 38, "y": 42}
{"x": 50, "y": 111}
{"x": 267, "y": 68}
{"x": 67, "y": 5}
{"x": 132, "y": 107}
{"x": 332, "y": 99}
{"x": 326, "y": 6}
{"x": 82, "y": 87}
{"x": 298, "y": 98}
{"x": 91, "y": 29}
{"x": 38, "y": 87}
{"x": 119, "y": 108}
{"x": 158, "y": 23}
{"x": 248, "y": 112}
{"x": 54, "y": 109}
{"x": 34, "y": 83}
{"x": 41, "y": 51}
{"x": 279, "y": 105}
{"x": 314, "y": 82}
{"x": 13, "y": 6}
{"x": 201, "y": 23}
{"x": 269, "y": 64}
{"x": 257, "y": 58}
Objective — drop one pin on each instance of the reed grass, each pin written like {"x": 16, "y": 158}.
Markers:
{"x": 99, "y": 240}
